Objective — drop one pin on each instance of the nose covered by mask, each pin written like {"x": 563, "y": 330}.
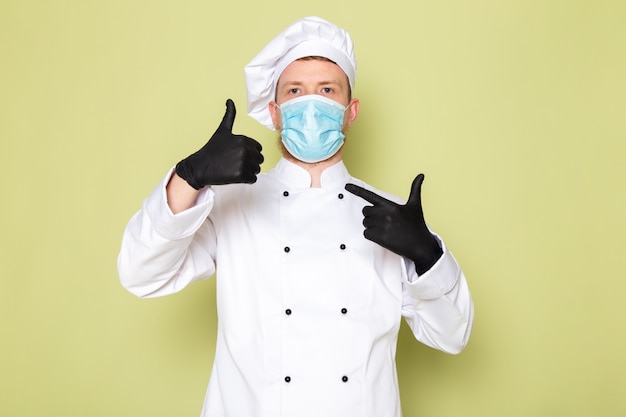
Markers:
{"x": 312, "y": 127}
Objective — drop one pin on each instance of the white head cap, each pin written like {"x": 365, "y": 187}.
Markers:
{"x": 309, "y": 36}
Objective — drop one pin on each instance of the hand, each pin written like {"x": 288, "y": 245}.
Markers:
{"x": 400, "y": 228}
{"x": 225, "y": 159}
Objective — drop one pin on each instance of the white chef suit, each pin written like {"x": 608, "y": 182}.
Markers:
{"x": 309, "y": 310}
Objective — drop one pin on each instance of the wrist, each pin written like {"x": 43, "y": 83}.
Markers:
{"x": 185, "y": 172}
{"x": 180, "y": 195}
{"x": 427, "y": 257}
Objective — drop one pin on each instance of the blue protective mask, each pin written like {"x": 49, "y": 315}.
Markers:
{"x": 312, "y": 127}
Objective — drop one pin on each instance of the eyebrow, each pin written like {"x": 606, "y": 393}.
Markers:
{"x": 299, "y": 83}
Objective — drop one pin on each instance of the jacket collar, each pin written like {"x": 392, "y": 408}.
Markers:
{"x": 295, "y": 176}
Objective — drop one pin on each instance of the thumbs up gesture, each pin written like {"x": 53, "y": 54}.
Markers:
{"x": 400, "y": 228}
{"x": 225, "y": 159}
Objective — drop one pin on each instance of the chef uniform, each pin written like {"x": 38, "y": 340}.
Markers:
{"x": 309, "y": 310}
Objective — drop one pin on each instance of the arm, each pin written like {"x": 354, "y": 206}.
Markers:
{"x": 169, "y": 242}
{"x": 438, "y": 306}
{"x": 163, "y": 252}
{"x": 436, "y": 301}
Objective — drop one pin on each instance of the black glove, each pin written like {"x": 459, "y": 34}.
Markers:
{"x": 225, "y": 159}
{"x": 400, "y": 228}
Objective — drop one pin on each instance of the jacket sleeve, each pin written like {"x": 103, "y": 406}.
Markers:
{"x": 161, "y": 253}
{"x": 437, "y": 305}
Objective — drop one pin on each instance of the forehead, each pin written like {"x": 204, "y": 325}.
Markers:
{"x": 313, "y": 71}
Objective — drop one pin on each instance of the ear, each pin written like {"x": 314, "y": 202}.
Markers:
{"x": 276, "y": 115}
{"x": 352, "y": 112}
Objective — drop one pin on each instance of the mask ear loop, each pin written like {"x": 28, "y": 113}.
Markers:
{"x": 345, "y": 110}
{"x": 350, "y": 103}
{"x": 276, "y": 106}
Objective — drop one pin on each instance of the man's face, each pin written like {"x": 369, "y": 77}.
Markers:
{"x": 314, "y": 76}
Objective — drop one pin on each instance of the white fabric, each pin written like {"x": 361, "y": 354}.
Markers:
{"x": 309, "y": 36}
{"x": 244, "y": 230}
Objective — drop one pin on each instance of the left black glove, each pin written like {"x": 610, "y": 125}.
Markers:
{"x": 400, "y": 228}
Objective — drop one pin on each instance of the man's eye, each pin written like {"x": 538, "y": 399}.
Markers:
{"x": 293, "y": 91}
{"x": 327, "y": 90}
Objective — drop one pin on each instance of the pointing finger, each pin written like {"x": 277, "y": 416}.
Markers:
{"x": 367, "y": 195}
{"x": 229, "y": 116}
{"x": 416, "y": 190}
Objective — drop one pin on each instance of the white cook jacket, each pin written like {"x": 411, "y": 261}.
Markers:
{"x": 309, "y": 310}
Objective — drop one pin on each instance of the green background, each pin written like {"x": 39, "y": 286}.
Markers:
{"x": 514, "y": 110}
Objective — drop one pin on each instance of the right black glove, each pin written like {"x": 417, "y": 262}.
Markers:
{"x": 225, "y": 159}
